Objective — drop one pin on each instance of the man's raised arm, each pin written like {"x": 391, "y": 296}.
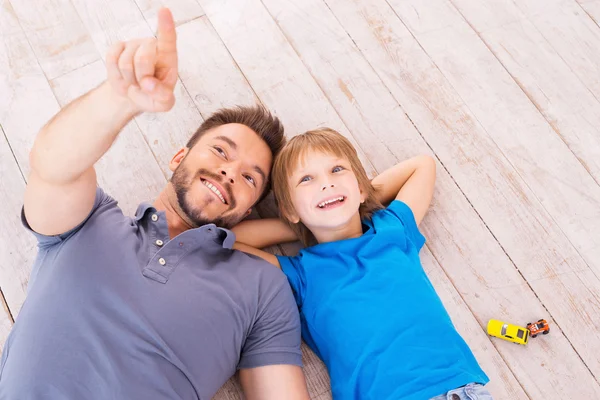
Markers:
{"x": 62, "y": 184}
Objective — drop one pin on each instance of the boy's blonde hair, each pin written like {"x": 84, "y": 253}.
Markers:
{"x": 325, "y": 140}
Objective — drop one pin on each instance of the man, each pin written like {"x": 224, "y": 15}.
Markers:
{"x": 157, "y": 306}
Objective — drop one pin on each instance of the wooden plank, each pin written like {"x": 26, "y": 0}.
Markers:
{"x": 17, "y": 247}
{"x": 526, "y": 233}
{"x": 5, "y": 322}
{"x": 550, "y": 51}
{"x": 57, "y": 35}
{"x": 273, "y": 69}
{"x": 566, "y": 190}
{"x": 207, "y": 70}
{"x": 592, "y": 8}
{"x": 183, "y": 10}
{"x": 111, "y": 21}
{"x": 26, "y": 104}
{"x": 128, "y": 171}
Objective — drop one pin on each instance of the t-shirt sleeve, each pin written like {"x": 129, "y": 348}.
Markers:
{"x": 404, "y": 214}
{"x": 46, "y": 241}
{"x": 275, "y": 336}
{"x": 292, "y": 268}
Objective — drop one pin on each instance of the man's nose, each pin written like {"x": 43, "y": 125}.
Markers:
{"x": 228, "y": 176}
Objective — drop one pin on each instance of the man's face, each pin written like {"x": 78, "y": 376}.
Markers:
{"x": 220, "y": 178}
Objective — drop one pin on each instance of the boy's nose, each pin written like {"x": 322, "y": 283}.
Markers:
{"x": 326, "y": 186}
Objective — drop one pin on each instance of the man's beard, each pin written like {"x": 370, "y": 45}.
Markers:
{"x": 182, "y": 183}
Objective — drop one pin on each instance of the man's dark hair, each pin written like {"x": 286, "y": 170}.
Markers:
{"x": 257, "y": 118}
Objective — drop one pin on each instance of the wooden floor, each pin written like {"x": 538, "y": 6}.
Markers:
{"x": 505, "y": 94}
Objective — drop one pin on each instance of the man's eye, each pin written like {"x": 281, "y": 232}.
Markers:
{"x": 337, "y": 169}
{"x": 220, "y": 151}
{"x": 305, "y": 179}
{"x": 251, "y": 180}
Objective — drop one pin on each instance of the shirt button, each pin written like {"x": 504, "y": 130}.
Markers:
{"x": 162, "y": 261}
{"x": 154, "y": 217}
{"x": 159, "y": 242}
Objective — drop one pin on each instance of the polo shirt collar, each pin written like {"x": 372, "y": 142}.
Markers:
{"x": 225, "y": 236}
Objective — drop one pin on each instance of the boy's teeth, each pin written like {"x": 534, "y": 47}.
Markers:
{"x": 214, "y": 189}
{"x": 323, "y": 204}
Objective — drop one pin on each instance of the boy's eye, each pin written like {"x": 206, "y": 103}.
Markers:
{"x": 305, "y": 179}
{"x": 251, "y": 180}
{"x": 220, "y": 151}
{"x": 337, "y": 169}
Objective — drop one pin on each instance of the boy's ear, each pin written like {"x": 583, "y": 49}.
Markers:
{"x": 292, "y": 217}
{"x": 363, "y": 196}
{"x": 248, "y": 212}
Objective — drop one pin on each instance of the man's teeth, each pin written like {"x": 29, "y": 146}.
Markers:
{"x": 323, "y": 204}
{"x": 214, "y": 189}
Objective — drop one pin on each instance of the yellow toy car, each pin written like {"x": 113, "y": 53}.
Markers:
{"x": 510, "y": 332}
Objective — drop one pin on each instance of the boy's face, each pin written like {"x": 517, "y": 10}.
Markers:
{"x": 324, "y": 191}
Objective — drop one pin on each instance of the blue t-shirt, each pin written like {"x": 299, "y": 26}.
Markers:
{"x": 371, "y": 314}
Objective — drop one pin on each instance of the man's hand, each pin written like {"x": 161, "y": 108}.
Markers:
{"x": 145, "y": 70}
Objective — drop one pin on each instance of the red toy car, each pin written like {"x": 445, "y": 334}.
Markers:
{"x": 539, "y": 327}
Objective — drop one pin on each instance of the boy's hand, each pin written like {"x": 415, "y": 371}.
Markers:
{"x": 145, "y": 70}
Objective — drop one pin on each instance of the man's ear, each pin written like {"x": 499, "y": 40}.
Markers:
{"x": 178, "y": 158}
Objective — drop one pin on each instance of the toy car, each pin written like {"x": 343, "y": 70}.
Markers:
{"x": 506, "y": 331}
{"x": 539, "y": 327}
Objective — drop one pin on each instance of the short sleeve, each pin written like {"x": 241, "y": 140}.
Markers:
{"x": 402, "y": 212}
{"x": 45, "y": 241}
{"x": 275, "y": 336}
{"x": 292, "y": 268}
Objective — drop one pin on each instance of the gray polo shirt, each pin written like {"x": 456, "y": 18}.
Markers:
{"x": 117, "y": 310}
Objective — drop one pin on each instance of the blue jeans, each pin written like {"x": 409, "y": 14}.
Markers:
{"x": 472, "y": 391}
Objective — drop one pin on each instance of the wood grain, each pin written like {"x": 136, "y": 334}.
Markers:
{"x": 26, "y": 103}
{"x": 549, "y": 49}
{"x": 58, "y": 37}
{"x": 540, "y": 158}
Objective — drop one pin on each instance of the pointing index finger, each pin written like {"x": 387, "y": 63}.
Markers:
{"x": 167, "y": 36}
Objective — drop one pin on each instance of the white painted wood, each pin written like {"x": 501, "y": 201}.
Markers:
{"x": 26, "y": 103}
{"x": 592, "y": 8}
{"x": 207, "y": 70}
{"x": 17, "y": 246}
{"x": 516, "y": 218}
{"x": 183, "y": 10}
{"x": 545, "y": 163}
{"x": 550, "y": 50}
{"x": 57, "y": 35}
{"x": 273, "y": 69}
{"x": 5, "y": 327}
{"x": 111, "y": 21}
{"x": 567, "y": 28}
{"x": 128, "y": 171}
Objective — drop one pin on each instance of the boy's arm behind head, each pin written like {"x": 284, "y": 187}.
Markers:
{"x": 411, "y": 181}
{"x": 261, "y": 233}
